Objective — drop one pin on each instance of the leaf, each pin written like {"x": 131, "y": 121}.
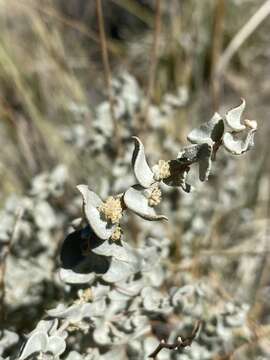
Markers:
{"x": 120, "y": 270}
{"x": 233, "y": 117}
{"x": 45, "y": 326}
{"x": 36, "y": 343}
{"x": 44, "y": 216}
{"x": 142, "y": 171}
{"x": 56, "y": 345}
{"x": 188, "y": 155}
{"x": 117, "y": 353}
{"x": 211, "y": 130}
{"x": 151, "y": 299}
{"x": 74, "y": 313}
{"x": 91, "y": 202}
{"x": 101, "y": 334}
{"x": 155, "y": 301}
{"x": 136, "y": 200}
{"x": 238, "y": 146}
{"x": 178, "y": 294}
{"x": 122, "y": 252}
{"x": 205, "y": 162}
{"x": 71, "y": 277}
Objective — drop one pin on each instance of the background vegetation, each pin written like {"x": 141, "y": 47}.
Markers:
{"x": 52, "y": 77}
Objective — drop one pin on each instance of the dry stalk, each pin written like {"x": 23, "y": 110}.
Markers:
{"x": 153, "y": 62}
{"x": 243, "y": 34}
{"x": 107, "y": 71}
{"x": 218, "y": 33}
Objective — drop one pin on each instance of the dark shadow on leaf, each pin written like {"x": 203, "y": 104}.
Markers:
{"x": 76, "y": 253}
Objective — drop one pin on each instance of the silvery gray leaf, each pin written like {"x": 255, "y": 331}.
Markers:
{"x": 92, "y": 354}
{"x": 91, "y": 202}
{"x": 151, "y": 299}
{"x": 178, "y": 295}
{"x": 155, "y": 276}
{"x": 118, "y": 353}
{"x": 74, "y": 313}
{"x": 44, "y": 216}
{"x": 141, "y": 324}
{"x": 205, "y": 154}
{"x": 149, "y": 258}
{"x": 96, "y": 309}
{"x": 154, "y": 301}
{"x": 74, "y": 355}
{"x": 233, "y": 117}
{"x": 142, "y": 171}
{"x": 99, "y": 291}
{"x": 36, "y": 343}
{"x": 7, "y": 340}
{"x": 123, "y": 252}
{"x": 211, "y": 130}
{"x": 101, "y": 334}
{"x": 238, "y": 146}
{"x": 120, "y": 270}
{"x": 119, "y": 296}
{"x": 71, "y": 277}
{"x": 77, "y": 223}
{"x": 136, "y": 200}
{"x": 45, "y": 326}
{"x": 56, "y": 345}
{"x": 132, "y": 288}
{"x": 189, "y": 154}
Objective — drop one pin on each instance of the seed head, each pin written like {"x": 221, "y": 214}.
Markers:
{"x": 117, "y": 234}
{"x": 161, "y": 170}
{"x": 112, "y": 209}
{"x": 155, "y": 196}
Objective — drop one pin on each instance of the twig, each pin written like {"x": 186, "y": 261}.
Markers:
{"x": 6, "y": 251}
{"x": 242, "y": 35}
{"x": 107, "y": 70}
{"x": 153, "y": 62}
{"x": 180, "y": 343}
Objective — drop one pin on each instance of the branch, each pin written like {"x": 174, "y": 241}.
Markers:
{"x": 180, "y": 342}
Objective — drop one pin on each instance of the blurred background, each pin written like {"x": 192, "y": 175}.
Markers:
{"x": 51, "y": 65}
{"x": 195, "y": 57}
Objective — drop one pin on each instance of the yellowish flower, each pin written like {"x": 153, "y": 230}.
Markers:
{"x": 155, "y": 196}
{"x": 112, "y": 209}
{"x": 162, "y": 170}
{"x": 117, "y": 234}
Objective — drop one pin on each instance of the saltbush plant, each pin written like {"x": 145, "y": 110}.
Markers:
{"x": 130, "y": 303}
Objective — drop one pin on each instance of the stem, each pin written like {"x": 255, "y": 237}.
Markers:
{"x": 180, "y": 343}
